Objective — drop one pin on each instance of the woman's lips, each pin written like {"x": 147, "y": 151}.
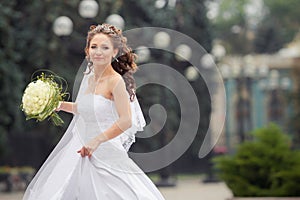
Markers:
{"x": 98, "y": 58}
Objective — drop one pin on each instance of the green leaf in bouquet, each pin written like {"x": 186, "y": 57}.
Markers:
{"x": 57, "y": 121}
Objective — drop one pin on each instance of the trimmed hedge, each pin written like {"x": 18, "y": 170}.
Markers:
{"x": 265, "y": 166}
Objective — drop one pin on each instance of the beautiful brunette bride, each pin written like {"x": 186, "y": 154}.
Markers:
{"x": 91, "y": 162}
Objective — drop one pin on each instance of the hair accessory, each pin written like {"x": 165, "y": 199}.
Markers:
{"x": 103, "y": 28}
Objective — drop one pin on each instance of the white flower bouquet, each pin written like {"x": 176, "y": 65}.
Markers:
{"x": 41, "y": 98}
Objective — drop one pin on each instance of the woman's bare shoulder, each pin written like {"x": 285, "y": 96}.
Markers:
{"x": 115, "y": 79}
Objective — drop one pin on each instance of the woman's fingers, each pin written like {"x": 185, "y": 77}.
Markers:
{"x": 82, "y": 152}
{"x": 85, "y": 151}
{"x": 90, "y": 153}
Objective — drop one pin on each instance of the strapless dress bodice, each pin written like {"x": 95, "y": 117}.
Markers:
{"x": 95, "y": 108}
{"x": 96, "y": 114}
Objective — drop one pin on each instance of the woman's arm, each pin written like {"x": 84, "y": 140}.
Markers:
{"x": 122, "y": 104}
{"x": 69, "y": 107}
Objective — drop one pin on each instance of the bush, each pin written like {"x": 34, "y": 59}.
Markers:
{"x": 16, "y": 178}
{"x": 265, "y": 166}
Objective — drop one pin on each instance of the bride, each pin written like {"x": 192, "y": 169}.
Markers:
{"x": 91, "y": 162}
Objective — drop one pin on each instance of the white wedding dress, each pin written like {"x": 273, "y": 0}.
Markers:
{"x": 108, "y": 175}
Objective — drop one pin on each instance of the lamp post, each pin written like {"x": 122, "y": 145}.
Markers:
{"x": 276, "y": 86}
{"x": 191, "y": 73}
{"x": 208, "y": 61}
{"x": 275, "y": 111}
{"x": 244, "y": 103}
{"x": 227, "y": 75}
{"x": 63, "y": 26}
{"x": 161, "y": 40}
{"x": 116, "y": 20}
{"x": 159, "y": 4}
{"x": 88, "y": 9}
{"x": 183, "y": 52}
{"x": 143, "y": 54}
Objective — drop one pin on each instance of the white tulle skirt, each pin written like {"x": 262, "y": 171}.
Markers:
{"x": 68, "y": 176}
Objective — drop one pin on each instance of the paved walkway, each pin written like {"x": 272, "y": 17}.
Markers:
{"x": 189, "y": 188}
{"x": 194, "y": 189}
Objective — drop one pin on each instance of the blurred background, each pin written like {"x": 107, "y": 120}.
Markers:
{"x": 255, "y": 44}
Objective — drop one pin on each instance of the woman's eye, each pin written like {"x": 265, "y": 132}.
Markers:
{"x": 93, "y": 47}
{"x": 105, "y": 48}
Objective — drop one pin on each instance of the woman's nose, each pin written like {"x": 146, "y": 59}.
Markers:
{"x": 99, "y": 51}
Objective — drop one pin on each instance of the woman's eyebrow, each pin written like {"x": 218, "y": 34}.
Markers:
{"x": 102, "y": 44}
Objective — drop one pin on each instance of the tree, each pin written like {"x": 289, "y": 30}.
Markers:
{"x": 10, "y": 74}
{"x": 230, "y": 24}
{"x": 27, "y": 44}
{"x": 286, "y": 15}
{"x": 268, "y": 38}
{"x": 280, "y": 25}
{"x": 261, "y": 27}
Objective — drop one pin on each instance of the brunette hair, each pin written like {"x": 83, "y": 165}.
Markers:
{"x": 124, "y": 62}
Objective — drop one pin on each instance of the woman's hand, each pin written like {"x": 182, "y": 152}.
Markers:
{"x": 57, "y": 109}
{"x": 89, "y": 148}
{"x": 69, "y": 107}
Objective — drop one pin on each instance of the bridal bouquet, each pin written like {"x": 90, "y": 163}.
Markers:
{"x": 41, "y": 97}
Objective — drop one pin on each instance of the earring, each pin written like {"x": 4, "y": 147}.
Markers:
{"x": 89, "y": 65}
{"x": 115, "y": 59}
{"x": 88, "y": 60}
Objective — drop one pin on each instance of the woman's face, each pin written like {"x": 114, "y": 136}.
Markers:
{"x": 101, "y": 50}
